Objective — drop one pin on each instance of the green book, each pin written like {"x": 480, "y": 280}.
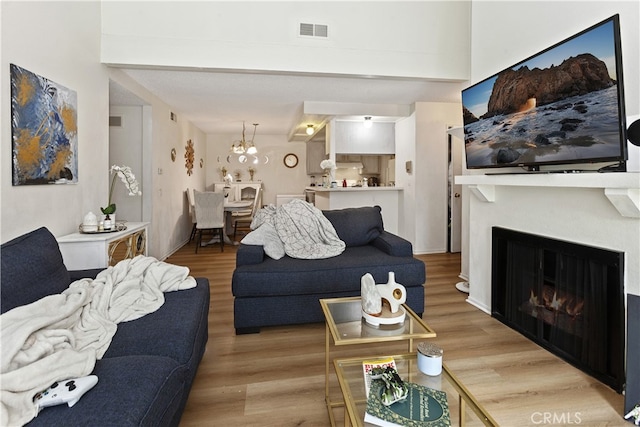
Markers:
{"x": 423, "y": 407}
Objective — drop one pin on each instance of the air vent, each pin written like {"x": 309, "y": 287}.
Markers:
{"x": 115, "y": 121}
{"x": 174, "y": 117}
{"x": 314, "y": 30}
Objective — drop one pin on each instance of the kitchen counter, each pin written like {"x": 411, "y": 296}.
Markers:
{"x": 348, "y": 189}
{"x": 388, "y": 198}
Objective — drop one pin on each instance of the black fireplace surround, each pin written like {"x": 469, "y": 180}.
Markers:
{"x": 566, "y": 297}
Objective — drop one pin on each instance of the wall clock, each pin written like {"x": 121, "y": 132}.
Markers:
{"x": 291, "y": 160}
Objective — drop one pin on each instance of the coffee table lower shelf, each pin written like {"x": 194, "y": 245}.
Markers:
{"x": 465, "y": 411}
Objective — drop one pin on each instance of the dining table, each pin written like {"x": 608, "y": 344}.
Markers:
{"x": 229, "y": 208}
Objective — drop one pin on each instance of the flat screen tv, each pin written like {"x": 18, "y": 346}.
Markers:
{"x": 562, "y": 106}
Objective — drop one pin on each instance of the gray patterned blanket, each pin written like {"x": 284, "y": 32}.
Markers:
{"x": 302, "y": 228}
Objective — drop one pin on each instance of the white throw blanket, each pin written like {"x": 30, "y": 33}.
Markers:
{"x": 302, "y": 228}
{"x": 61, "y": 336}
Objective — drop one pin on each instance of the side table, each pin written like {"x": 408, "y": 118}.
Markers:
{"x": 81, "y": 251}
{"x": 344, "y": 326}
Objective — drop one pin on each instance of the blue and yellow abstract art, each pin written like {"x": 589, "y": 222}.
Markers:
{"x": 44, "y": 130}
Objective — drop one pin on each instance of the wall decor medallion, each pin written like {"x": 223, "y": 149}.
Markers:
{"x": 291, "y": 160}
{"x": 44, "y": 130}
{"x": 189, "y": 156}
{"x": 173, "y": 154}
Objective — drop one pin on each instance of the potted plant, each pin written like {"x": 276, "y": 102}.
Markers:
{"x": 130, "y": 183}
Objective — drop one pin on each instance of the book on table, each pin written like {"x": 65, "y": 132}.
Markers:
{"x": 423, "y": 406}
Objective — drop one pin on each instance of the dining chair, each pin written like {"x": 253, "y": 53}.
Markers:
{"x": 192, "y": 212}
{"x": 244, "y": 221}
{"x": 209, "y": 215}
{"x": 247, "y": 193}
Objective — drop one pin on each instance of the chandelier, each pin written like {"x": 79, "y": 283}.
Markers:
{"x": 244, "y": 151}
{"x": 243, "y": 146}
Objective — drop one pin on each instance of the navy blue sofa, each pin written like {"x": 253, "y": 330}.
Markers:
{"x": 269, "y": 292}
{"x": 146, "y": 374}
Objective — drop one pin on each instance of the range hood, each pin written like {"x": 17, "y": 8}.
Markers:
{"x": 349, "y": 165}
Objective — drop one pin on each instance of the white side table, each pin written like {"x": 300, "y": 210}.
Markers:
{"x": 82, "y": 251}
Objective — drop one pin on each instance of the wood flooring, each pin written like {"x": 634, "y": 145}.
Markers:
{"x": 276, "y": 377}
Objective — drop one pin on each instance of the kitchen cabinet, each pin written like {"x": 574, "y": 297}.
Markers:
{"x": 353, "y": 138}
{"x": 315, "y": 155}
{"x": 371, "y": 164}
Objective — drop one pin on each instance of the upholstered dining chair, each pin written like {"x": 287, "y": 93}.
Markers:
{"x": 209, "y": 215}
{"x": 244, "y": 221}
{"x": 192, "y": 212}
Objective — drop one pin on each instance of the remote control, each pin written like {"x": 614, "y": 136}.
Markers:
{"x": 68, "y": 391}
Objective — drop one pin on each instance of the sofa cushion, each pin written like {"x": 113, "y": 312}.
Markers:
{"x": 32, "y": 268}
{"x": 131, "y": 391}
{"x": 289, "y": 276}
{"x": 356, "y": 226}
{"x": 178, "y": 330}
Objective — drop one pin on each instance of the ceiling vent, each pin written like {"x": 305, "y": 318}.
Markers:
{"x": 314, "y": 30}
{"x": 115, "y": 121}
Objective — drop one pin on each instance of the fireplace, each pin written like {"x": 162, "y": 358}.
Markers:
{"x": 566, "y": 297}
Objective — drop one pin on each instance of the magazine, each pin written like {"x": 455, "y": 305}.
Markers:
{"x": 373, "y": 369}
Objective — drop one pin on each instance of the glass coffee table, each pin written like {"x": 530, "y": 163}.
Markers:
{"x": 345, "y": 326}
{"x": 463, "y": 408}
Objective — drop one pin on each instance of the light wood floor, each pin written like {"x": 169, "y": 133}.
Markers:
{"x": 276, "y": 378}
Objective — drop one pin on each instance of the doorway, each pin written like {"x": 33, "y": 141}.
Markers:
{"x": 129, "y": 118}
{"x": 454, "y": 208}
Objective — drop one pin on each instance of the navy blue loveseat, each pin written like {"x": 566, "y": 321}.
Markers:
{"x": 145, "y": 376}
{"x": 269, "y": 292}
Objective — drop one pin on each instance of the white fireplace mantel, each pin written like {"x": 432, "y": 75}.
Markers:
{"x": 622, "y": 189}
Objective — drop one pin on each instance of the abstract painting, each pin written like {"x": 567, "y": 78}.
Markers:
{"x": 44, "y": 130}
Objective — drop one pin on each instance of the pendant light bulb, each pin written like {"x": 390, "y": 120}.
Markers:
{"x": 310, "y": 130}
{"x": 367, "y": 122}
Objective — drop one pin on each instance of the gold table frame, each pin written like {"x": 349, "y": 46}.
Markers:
{"x": 344, "y": 324}
{"x": 352, "y": 387}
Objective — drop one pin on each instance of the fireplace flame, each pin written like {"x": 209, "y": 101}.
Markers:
{"x": 557, "y": 303}
{"x": 533, "y": 299}
{"x": 569, "y": 305}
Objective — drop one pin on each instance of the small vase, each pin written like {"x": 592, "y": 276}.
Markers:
{"x": 109, "y": 221}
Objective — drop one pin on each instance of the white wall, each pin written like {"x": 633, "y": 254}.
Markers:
{"x": 406, "y": 151}
{"x": 275, "y": 176}
{"x": 434, "y": 36}
{"x": 504, "y": 33}
{"x": 59, "y": 41}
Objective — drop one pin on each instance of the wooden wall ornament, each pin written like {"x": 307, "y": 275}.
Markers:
{"x": 189, "y": 157}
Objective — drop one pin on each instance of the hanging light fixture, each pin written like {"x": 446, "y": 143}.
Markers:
{"x": 367, "y": 122}
{"x": 244, "y": 151}
{"x": 310, "y": 130}
{"x": 244, "y": 146}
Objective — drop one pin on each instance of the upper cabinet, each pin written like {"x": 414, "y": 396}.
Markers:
{"x": 315, "y": 155}
{"x": 351, "y": 137}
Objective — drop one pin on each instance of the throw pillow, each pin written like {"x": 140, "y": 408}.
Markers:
{"x": 356, "y": 226}
{"x": 266, "y": 236}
